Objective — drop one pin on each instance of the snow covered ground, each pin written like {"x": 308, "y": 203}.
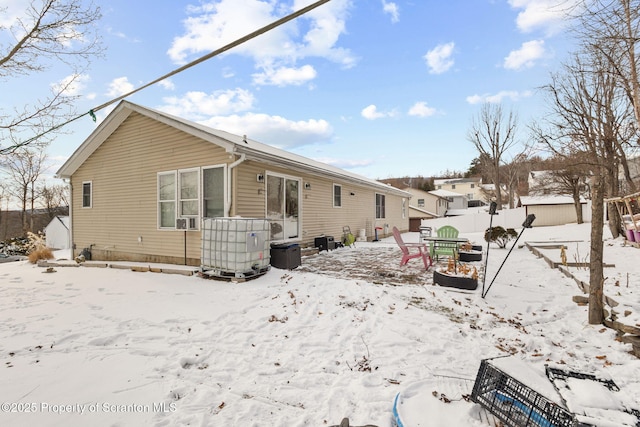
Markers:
{"x": 338, "y": 337}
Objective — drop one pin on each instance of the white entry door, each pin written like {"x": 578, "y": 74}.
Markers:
{"x": 283, "y": 206}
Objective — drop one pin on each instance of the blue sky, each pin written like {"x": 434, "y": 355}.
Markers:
{"x": 383, "y": 88}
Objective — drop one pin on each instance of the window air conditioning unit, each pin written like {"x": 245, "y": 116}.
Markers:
{"x": 187, "y": 223}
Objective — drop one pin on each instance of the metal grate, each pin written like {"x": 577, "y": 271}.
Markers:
{"x": 514, "y": 403}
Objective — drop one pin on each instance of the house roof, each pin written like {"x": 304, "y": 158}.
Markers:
{"x": 441, "y": 181}
{"x": 446, "y": 193}
{"x": 59, "y": 220}
{"x": 417, "y": 193}
{"x": 424, "y": 211}
{"x": 548, "y": 200}
{"x": 239, "y": 145}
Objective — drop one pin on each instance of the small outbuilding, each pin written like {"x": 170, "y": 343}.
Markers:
{"x": 57, "y": 233}
{"x": 553, "y": 209}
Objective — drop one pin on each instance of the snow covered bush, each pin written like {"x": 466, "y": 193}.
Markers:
{"x": 499, "y": 235}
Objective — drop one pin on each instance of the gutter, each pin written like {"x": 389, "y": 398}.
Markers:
{"x": 227, "y": 208}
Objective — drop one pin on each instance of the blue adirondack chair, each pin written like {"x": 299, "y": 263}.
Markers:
{"x": 444, "y": 248}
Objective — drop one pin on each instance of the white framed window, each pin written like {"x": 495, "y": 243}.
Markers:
{"x": 190, "y": 193}
{"x": 188, "y": 196}
{"x": 404, "y": 208}
{"x": 380, "y": 206}
{"x": 167, "y": 190}
{"x": 213, "y": 185}
{"x": 337, "y": 195}
{"x": 87, "y": 194}
{"x": 421, "y": 203}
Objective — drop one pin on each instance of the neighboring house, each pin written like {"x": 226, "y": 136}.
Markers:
{"x": 455, "y": 200}
{"x": 143, "y": 174}
{"x": 545, "y": 182}
{"x": 469, "y": 187}
{"x": 424, "y": 205}
{"x": 57, "y": 233}
{"x": 553, "y": 209}
{"x": 542, "y": 183}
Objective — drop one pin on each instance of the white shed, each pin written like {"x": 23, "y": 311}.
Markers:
{"x": 553, "y": 209}
{"x": 57, "y": 232}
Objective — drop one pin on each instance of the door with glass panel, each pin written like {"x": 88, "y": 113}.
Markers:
{"x": 283, "y": 207}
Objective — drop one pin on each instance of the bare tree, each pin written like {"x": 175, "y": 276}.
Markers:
{"x": 588, "y": 113}
{"x": 512, "y": 172}
{"x": 54, "y": 198}
{"x": 612, "y": 29}
{"x": 45, "y": 32}
{"x": 564, "y": 176}
{"x": 493, "y": 134}
{"x": 24, "y": 168}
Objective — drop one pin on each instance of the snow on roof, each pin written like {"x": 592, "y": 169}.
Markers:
{"x": 424, "y": 211}
{"x": 236, "y": 144}
{"x": 549, "y": 199}
{"x": 455, "y": 180}
{"x": 446, "y": 193}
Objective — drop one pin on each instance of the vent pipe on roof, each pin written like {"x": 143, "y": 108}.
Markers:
{"x": 227, "y": 208}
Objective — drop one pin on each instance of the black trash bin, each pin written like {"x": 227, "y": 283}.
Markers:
{"x": 285, "y": 255}
{"x": 324, "y": 243}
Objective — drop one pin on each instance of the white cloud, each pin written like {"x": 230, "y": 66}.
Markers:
{"x": 72, "y": 85}
{"x": 167, "y": 84}
{"x": 371, "y": 113}
{"x": 439, "y": 58}
{"x": 285, "y": 76}
{"x": 549, "y": 15}
{"x": 274, "y": 130}
{"x": 498, "y": 97}
{"x": 392, "y": 9}
{"x": 526, "y": 56}
{"x": 216, "y": 24}
{"x": 12, "y": 10}
{"x": 199, "y": 105}
{"x": 119, "y": 86}
{"x": 420, "y": 109}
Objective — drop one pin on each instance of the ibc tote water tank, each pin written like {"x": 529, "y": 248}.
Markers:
{"x": 235, "y": 247}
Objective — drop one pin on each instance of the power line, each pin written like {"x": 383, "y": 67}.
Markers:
{"x": 210, "y": 55}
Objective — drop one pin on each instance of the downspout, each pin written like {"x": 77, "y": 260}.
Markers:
{"x": 70, "y": 217}
{"x": 229, "y": 174}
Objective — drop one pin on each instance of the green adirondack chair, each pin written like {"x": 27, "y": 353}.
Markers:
{"x": 441, "y": 248}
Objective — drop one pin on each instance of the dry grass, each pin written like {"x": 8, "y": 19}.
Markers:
{"x": 38, "y": 254}
{"x": 37, "y": 248}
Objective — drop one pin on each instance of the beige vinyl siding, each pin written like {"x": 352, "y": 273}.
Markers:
{"x": 547, "y": 215}
{"x": 122, "y": 223}
{"x": 249, "y": 195}
{"x": 123, "y": 172}
{"x": 318, "y": 216}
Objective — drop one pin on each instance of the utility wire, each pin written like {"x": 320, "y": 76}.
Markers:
{"x": 206, "y": 57}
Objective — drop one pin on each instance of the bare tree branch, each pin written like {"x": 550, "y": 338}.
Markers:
{"x": 48, "y": 33}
